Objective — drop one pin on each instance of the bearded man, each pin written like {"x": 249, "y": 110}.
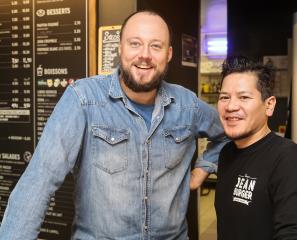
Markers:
{"x": 129, "y": 139}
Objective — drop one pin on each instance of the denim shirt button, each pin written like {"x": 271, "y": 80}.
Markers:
{"x": 112, "y": 139}
{"x": 176, "y": 139}
{"x": 145, "y": 228}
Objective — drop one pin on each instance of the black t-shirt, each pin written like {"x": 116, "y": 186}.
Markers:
{"x": 256, "y": 191}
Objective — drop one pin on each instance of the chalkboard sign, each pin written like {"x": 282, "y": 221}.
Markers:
{"x": 109, "y": 39}
{"x": 43, "y": 48}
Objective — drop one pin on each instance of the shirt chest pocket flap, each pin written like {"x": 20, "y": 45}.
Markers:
{"x": 110, "y": 148}
{"x": 177, "y": 142}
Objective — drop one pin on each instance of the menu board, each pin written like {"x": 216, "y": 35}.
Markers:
{"x": 16, "y": 93}
{"x": 43, "y": 48}
{"x": 108, "y": 57}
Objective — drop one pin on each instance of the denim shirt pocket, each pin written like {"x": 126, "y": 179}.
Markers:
{"x": 177, "y": 141}
{"x": 110, "y": 148}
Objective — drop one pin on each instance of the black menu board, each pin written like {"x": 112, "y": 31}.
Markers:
{"x": 16, "y": 93}
{"x": 43, "y": 48}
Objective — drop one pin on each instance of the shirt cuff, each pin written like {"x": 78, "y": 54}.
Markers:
{"x": 207, "y": 166}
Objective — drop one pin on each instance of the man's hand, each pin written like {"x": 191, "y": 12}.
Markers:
{"x": 198, "y": 175}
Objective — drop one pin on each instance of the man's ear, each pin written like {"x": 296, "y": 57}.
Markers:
{"x": 270, "y": 105}
{"x": 119, "y": 49}
{"x": 170, "y": 52}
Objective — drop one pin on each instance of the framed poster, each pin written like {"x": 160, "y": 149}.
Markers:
{"x": 108, "y": 57}
{"x": 189, "y": 51}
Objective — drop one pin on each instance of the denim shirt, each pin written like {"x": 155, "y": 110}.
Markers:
{"x": 131, "y": 183}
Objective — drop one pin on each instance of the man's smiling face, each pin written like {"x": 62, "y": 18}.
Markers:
{"x": 144, "y": 52}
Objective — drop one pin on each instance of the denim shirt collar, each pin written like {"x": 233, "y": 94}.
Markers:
{"x": 115, "y": 90}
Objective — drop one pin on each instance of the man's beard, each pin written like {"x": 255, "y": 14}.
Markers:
{"x": 132, "y": 84}
{"x": 241, "y": 136}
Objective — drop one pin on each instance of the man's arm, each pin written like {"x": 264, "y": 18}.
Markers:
{"x": 53, "y": 158}
{"x": 208, "y": 126}
{"x": 283, "y": 191}
{"x": 198, "y": 176}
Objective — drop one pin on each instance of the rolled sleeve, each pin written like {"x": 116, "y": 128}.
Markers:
{"x": 209, "y": 127}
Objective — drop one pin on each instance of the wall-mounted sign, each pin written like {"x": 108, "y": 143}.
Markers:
{"x": 109, "y": 39}
{"x": 189, "y": 51}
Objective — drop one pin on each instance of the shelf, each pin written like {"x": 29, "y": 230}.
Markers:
{"x": 210, "y": 73}
{"x": 211, "y": 94}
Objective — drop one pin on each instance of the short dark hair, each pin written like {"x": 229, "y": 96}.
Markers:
{"x": 150, "y": 12}
{"x": 265, "y": 73}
